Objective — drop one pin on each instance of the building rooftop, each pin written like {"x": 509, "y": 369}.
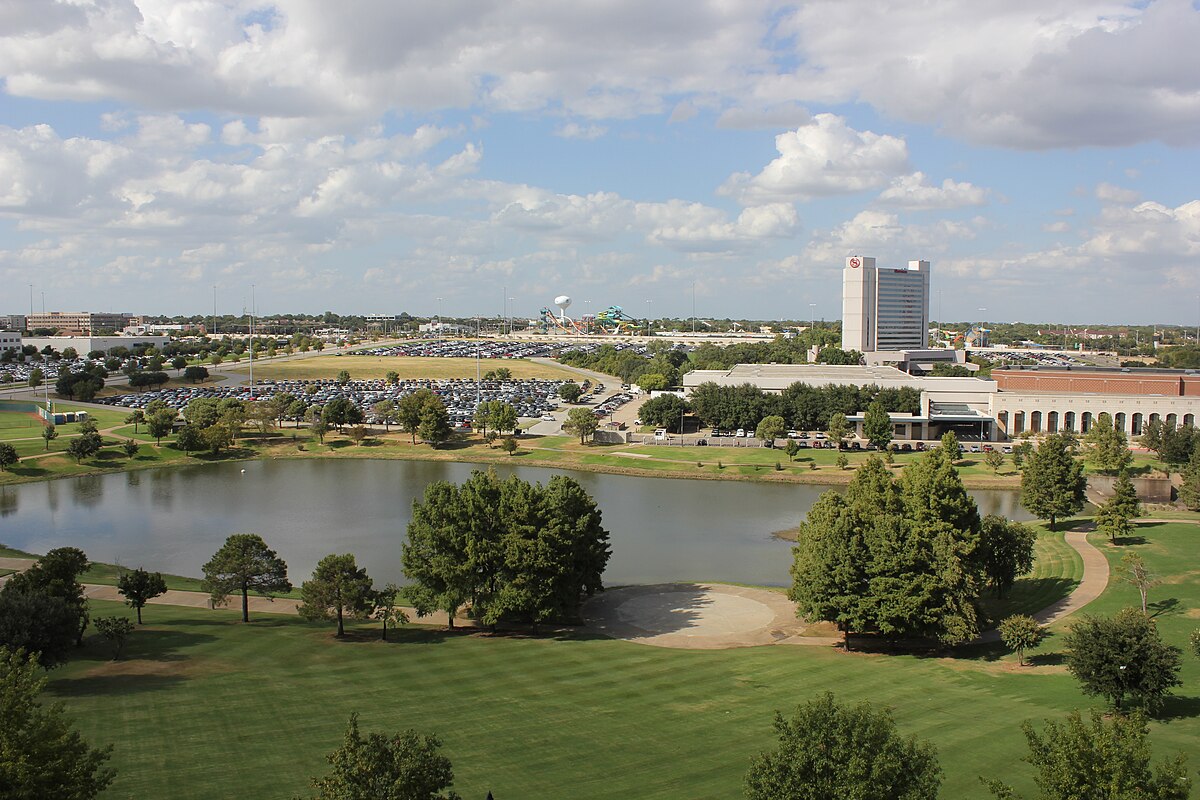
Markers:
{"x": 776, "y": 377}
{"x": 1085, "y": 370}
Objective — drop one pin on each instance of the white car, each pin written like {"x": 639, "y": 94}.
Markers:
{"x": 547, "y": 418}
{"x": 740, "y": 433}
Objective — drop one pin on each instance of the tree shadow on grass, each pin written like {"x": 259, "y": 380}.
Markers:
{"x": 1127, "y": 541}
{"x": 1045, "y": 659}
{"x": 1175, "y": 707}
{"x": 1029, "y": 596}
{"x": 1167, "y": 607}
{"x": 113, "y": 685}
{"x": 28, "y": 472}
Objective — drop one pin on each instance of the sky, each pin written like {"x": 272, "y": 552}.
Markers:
{"x": 471, "y": 157}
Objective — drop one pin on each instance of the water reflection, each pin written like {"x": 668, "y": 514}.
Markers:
{"x": 8, "y": 501}
{"x": 87, "y": 490}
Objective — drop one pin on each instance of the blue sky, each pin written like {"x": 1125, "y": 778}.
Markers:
{"x": 375, "y": 157}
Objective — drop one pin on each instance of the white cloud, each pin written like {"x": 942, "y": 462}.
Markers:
{"x": 573, "y": 130}
{"x": 826, "y": 157}
{"x": 914, "y": 193}
{"x": 1056, "y": 227}
{"x": 781, "y": 115}
{"x": 1109, "y": 193}
{"x": 1025, "y": 73}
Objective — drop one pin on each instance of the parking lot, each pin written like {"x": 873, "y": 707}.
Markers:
{"x": 531, "y": 398}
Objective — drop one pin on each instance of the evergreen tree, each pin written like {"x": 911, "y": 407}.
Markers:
{"x": 139, "y": 587}
{"x": 434, "y": 425}
{"x": 1122, "y": 656}
{"x": 1107, "y": 446}
{"x": 1005, "y": 552}
{"x": 877, "y": 425}
{"x": 338, "y": 588}
{"x": 1189, "y": 489}
{"x": 1052, "y": 483}
{"x": 245, "y": 564}
{"x": 40, "y": 755}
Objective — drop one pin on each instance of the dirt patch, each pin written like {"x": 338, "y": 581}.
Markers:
{"x": 152, "y": 668}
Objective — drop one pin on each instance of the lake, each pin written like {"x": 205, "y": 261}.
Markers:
{"x": 173, "y": 520}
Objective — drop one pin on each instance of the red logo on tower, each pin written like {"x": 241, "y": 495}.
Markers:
{"x": 854, "y": 263}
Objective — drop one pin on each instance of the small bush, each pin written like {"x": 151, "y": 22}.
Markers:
{"x": 778, "y": 467}
{"x": 720, "y": 465}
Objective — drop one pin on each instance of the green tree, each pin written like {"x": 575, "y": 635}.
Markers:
{"x": 41, "y": 756}
{"x": 77, "y": 448}
{"x": 877, "y": 425}
{"x": 843, "y": 460}
{"x": 828, "y": 751}
{"x": 1189, "y": 488}
{"x": 1122, "y": 656}
{"x": 338, "y": 588}
{"x": 116, "y": 630}
{"x": 358, "y": 434}
{"x": 392, "y": 378}
{"x": 1109, "y": 759}
{"x": 1019, "y": 633}
{"x": 503, "y": 416}
{"x": 245, "y": 564}
{"x": 386, "y": 608}
{"x": 665, "y": 411}
{"x": 652, "y": 382}
{"x": 1106, "y": 445}
{"x": 385, "y": 412}
{"x": 8, "y": 455}
{"x": 791, "y": 449}
{"x": 57, "y": 574}
{"x": 580, "y": 422}
{"x": 1052, "y": 483}
{"x": 343, "y": 377}
{"x": 135, "y": 418}
{"x": 994, "y": 459}
{"x": 49, "y": 434}
{"x": 130, "y": 448}
{"x": 33, "y": 620}
{"x": 509, "y": 445}
{"x": 434, "y": 427}
{"x": 838, "y": 429}
{"x": 195, "y": 373}
{"x": 189, "y": 438}
{"x": 179, "y": 362}
{"x": 36, "y": 377}
{"x": 1004, "y": 552}
{"x": 404, "y": 766}
{"x": 570, "y": 391}
{"x": 771, "y": 428}
{"x": 159, "y": 424}
{"x": 139, "y": 587}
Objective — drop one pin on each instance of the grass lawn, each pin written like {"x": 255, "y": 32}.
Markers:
{"x": 369, "y": 367}
{"x": 203, "y": 706}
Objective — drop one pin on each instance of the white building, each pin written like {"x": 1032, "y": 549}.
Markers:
{"x": 10, "y": 340}
{"x": 884, "y": 309}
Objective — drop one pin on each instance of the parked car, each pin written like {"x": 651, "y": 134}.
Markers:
{"x": 740, "y": 433}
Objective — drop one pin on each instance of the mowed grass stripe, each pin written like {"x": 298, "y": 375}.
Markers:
{"x": 206, "y": 707}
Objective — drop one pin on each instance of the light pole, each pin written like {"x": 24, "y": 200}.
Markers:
{"x": 587, "y": 315}
{"x": 439, "y": 320}
{"x": 693, "y": 308}
{"x": 511, "y": 300}
{"x": 813, "y": 308}
{"x": 648, "y": 317}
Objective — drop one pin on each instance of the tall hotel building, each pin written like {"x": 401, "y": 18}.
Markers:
{"x": 884, "y": 309}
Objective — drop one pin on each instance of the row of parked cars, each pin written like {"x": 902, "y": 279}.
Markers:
{"x": 459, "y": 348}
{"x": 531, "y": 397}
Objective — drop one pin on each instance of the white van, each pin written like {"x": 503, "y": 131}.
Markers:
{"x": 660, "y": 434}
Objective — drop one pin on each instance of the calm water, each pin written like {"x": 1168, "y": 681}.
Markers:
{"x": 173, "y": 520}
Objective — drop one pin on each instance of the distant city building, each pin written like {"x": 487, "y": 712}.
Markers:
{"x": 382, "y": 317}
{"x": 10, "y": 340}
{"x": 86, "y": 344}
{"x": 77, "y": 323}
{"x": 884, "y": 309}
{"x": 1016, "y": 400}
{"x": 12, "y": 322}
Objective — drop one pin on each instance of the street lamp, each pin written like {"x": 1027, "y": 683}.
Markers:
{"x": 587, "y": 315}
{"x": 439, "y": 319}
{"x": 511, "y": 300}
{"x": 648, "y": 317}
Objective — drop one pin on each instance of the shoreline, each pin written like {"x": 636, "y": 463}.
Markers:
{"x": 525, "y": 457}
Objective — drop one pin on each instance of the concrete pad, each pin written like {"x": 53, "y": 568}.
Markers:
{"x": 699, "y": 616}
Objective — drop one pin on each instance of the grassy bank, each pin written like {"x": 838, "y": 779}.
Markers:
{"x": 528, "y": 717}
